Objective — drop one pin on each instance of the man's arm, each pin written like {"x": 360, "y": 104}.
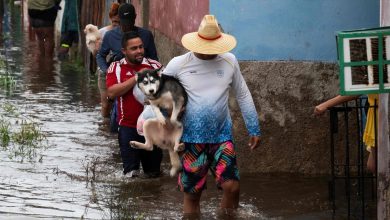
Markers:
{"x": 102, "y": 53}
{"x": 114, "y": 85}
{"x": 120, "y": 88}
{"x": 247, "y": 106}
{"x": 245, "y": 101}
{"x": 321, "y": 108}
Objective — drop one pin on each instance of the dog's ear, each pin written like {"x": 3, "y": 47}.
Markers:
{"x": 87, "y": 28}
{"x": 159, "y": 71}
{"x": 139, "y": 75}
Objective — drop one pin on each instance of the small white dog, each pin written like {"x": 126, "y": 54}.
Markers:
{"x": 92, "y": 37}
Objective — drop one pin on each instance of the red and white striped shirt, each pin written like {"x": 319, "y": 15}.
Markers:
{"x": 128, "y": 107}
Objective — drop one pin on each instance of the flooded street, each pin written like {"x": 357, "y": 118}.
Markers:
{"x": 77, "y": 174}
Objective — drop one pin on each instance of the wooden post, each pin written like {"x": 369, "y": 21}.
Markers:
{"x": 383, "y": 210}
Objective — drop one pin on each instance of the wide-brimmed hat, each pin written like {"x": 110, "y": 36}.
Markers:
{"x": 126, "y": 14}
{"x": 209, "y": 39}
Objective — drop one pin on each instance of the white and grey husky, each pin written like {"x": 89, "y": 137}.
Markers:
{"x": 167, "y": 93}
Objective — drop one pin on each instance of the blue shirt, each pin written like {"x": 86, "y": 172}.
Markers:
{"x": 112, "y": 41}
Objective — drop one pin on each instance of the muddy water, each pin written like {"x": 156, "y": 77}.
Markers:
{"x": 78, "y": 174}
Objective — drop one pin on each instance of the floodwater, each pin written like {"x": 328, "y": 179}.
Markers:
{"x": 78, "y": 174}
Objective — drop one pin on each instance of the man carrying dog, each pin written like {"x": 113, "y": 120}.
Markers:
{"x": 111, "y": 48}
{"x": 120, "y": 83}
{"x": 207, "y": 72}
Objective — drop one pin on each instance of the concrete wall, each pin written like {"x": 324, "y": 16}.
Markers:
{"x": 284, "y": 94}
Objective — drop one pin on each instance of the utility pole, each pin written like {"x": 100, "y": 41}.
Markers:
{"x": 383, "y": 210}
{"x": 383, "y": 151}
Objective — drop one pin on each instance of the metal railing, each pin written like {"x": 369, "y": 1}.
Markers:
{"x": 352, "y": 188}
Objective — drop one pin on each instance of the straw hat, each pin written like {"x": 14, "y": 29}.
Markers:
{"x": 209, "y": 39}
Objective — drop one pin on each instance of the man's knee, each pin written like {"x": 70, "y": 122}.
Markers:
{"x": 192, "y": 197}
{"x": 231, "y": 187}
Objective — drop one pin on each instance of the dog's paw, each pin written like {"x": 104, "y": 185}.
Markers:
{"x": 176, "y": 123}
{"x": 179, "y": 147}
{"x": 174, "y": 171}
{"x": 162, "y": 121}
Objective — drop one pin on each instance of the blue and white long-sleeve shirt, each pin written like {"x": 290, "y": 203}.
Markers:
{"x": 207, "y": 82}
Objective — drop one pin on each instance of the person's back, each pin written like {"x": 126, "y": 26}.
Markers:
{"x": 41, "y": 4}
{"x": 112, "y": 39}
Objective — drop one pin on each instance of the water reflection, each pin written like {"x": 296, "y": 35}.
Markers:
{"x": 1, "y": 22}
{"x": 82, "y": 86}
{"x": 39, "y": 73}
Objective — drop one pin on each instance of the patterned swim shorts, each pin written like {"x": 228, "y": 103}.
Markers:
{"x": 197, "y": 159}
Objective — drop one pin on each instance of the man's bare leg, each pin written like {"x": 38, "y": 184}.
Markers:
{"x": 49, "y": 41}
{"x": 191, "y": 203}
{"x": 231, "y": 194}
{"x": 371, "y": 163}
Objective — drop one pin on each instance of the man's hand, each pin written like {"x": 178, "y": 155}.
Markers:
{"x": 254, "y": 142}
{"x": 319, "y": 109}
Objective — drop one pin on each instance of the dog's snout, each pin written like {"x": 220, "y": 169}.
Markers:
{"x": 151, "y": 91}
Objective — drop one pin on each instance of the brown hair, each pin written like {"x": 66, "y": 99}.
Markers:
{"x": 113, "y": 10}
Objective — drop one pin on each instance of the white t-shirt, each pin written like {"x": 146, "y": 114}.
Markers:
{"x": 103, "y": 31}
{"x": 207, "y": 82}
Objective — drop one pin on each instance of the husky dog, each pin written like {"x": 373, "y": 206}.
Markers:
{"x": 92, "y": 37}
{"x": 167, "y": 93}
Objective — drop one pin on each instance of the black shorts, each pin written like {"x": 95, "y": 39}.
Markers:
{"x": 69, "y": 37}
{"x": 43, "y": 18}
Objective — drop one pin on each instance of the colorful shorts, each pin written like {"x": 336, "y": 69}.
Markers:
{"x": 197, "y": 159}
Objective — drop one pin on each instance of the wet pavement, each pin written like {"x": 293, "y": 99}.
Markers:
{"x": 77, "y": 175}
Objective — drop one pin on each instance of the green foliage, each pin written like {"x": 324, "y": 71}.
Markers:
{"x": 5, "y": 133}
{"x": 7, "y": 81}
{"x": 20, "y": 135}
{"x": 27, "y": 140}
{"x": 10, "y": 109}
